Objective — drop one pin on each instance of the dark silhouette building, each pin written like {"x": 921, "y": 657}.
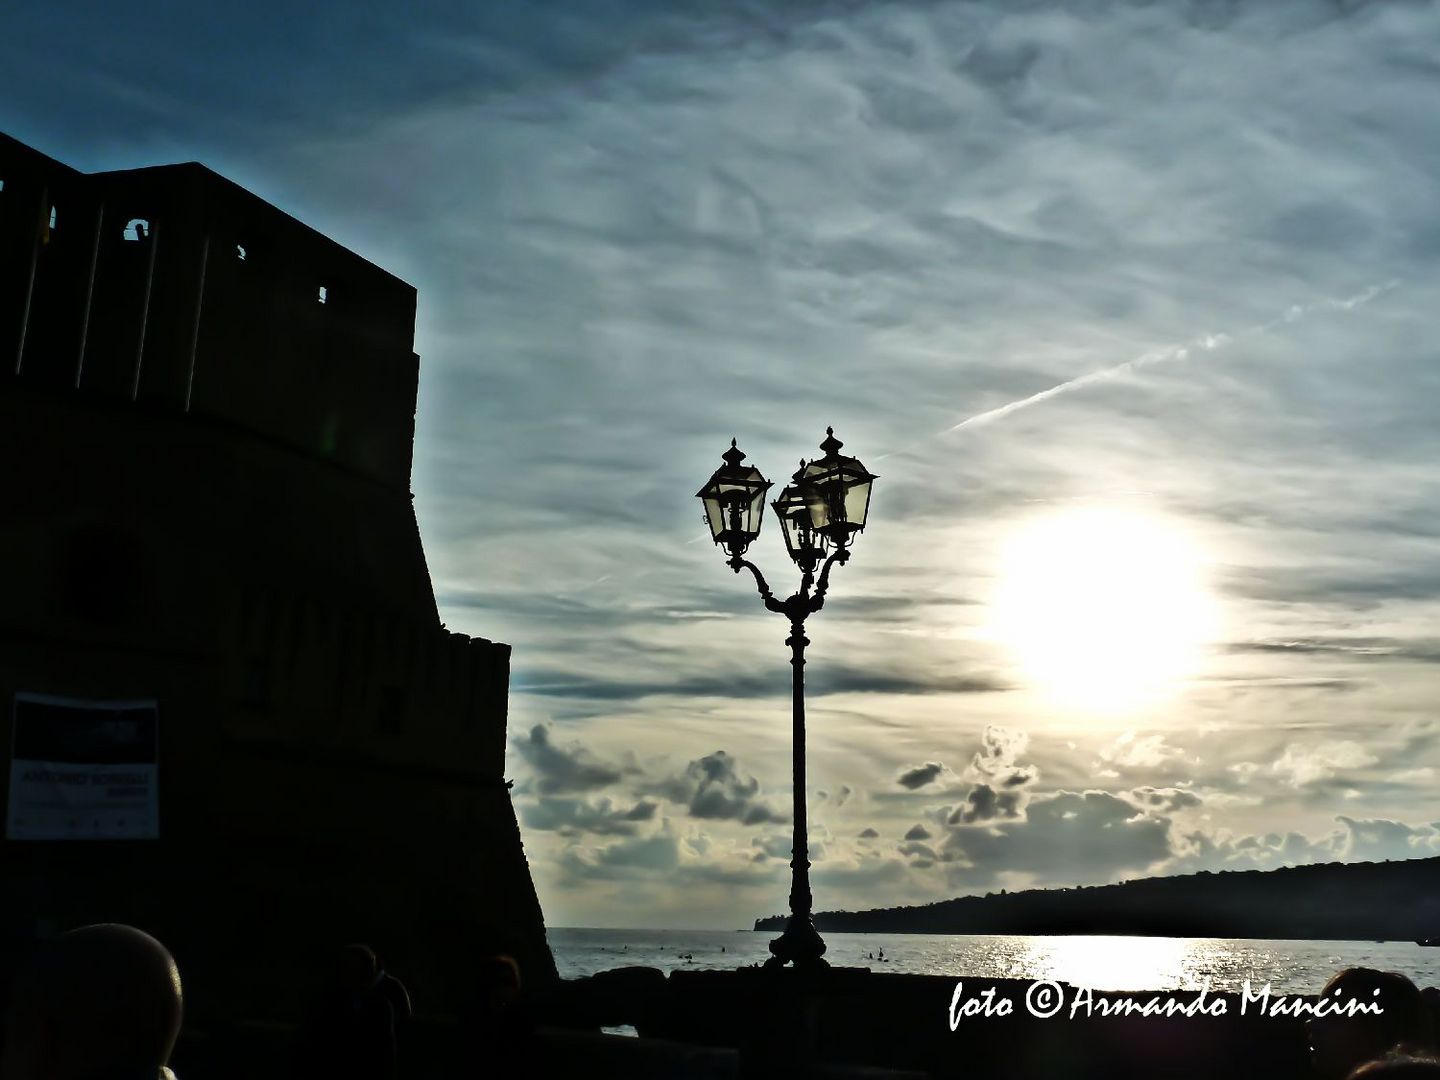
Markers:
{"x": 231, "y": 712}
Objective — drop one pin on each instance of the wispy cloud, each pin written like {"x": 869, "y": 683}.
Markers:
{"x": 1180, "y": 256}
{"x": 1186, "y": 351}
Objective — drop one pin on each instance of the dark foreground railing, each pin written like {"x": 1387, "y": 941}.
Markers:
{"x": 842, "y": 1022}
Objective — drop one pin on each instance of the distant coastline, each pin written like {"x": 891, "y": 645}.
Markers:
{"x": 1387, "y": 901}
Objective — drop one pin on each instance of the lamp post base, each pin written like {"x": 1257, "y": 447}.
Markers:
{"x": 800, "y": 944}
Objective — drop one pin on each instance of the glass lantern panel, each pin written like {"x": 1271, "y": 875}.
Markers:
{"x": 828, "y": 482}
{"x": 751, "y": 489}
{"x": 816, "y": 479}
{"x": 792, "y": 509}
{"x": 857, "y": 502}
{"x": 713, "y": 517}
{"x": 799, "y": 539}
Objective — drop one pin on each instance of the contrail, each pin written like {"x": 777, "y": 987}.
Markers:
{"x": 1203, "y": 343}
{"x": 1173, "y": 352}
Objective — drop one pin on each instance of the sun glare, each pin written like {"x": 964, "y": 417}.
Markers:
{"x": 1105, "y": 608}
{"x": 1114, "y": 963}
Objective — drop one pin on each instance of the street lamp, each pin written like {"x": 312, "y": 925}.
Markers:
{"x": 820, "y": 511}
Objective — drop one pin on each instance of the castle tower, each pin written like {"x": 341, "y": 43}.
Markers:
{"x": 231, "y": 713}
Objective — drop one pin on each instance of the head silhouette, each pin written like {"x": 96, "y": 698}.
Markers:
{"x": 499, "y": 976}
{"x": 1340, "y": 1043}
{"x": 1398, "y": 1067}
{"x": 98, "y": 1001}
{"x": 358, "y": 967}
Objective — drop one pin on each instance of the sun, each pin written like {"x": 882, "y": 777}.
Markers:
{"x": 1105, "y": 608}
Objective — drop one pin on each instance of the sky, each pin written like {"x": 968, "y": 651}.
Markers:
{"x": 1129, "y": 305}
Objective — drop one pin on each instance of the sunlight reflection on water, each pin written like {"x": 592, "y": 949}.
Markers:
{"x": 1103, "y": 963}
{"x": 1110, "y": 963}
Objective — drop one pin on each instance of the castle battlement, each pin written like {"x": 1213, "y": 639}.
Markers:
{"x": 175, "y": 288}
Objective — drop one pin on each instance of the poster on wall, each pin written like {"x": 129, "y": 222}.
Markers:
{"x": 83, "y": 770}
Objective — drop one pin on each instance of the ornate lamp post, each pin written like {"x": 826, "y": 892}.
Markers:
{"x": 820, "y": 512}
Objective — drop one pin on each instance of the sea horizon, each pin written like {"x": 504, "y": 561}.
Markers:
{"x": 1099, "y": 961}
{"x": 881, "y": 933}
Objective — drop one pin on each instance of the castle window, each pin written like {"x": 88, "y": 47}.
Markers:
{"x": 323, "y": 296}
{"x": 137, "y": 229}
{"x": 240, "y": 252}
{"x": 52, "y": 217}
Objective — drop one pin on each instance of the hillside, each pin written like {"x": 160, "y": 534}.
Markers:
{"x": 1389, "y": 900}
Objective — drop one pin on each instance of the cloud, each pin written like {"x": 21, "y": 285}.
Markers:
{"x": 1425, "y": 775}
{"x": 1353, "y": 840}
{"x": 1096, "y": 836}
{"x": 619, "y": 215}
{"x": 1201, "y": 850}
{"x": 918, "y": 832}
{"x": 1378, "y": 839}
{"x": 1350, "y": 647}
{"x": 1310, "y": 765}
{"x": 1302, "y": 765}
{"x": 1002, "y": 785}
{"x": 560, "y": 770}
{"x": 1064, "y": 836}
{"x": 868, "y": 834}
{"x": 1167, "y": 800}
{"x": 709, "y": 788}
{"x": 646, "y": 855}
{"x": 996, "y": 760}
{"x": 850, "y": 680}
{"x": 1132, "y": 751}
{"x": 713, "y": 787}
{"x": 1245, "y": 771}
{"x": 860, "y": 874}
{"x": 879, "y": 681}
{"x": 916, "y": 850}
{"x": 985, "y": 804}
{"x": 773, "y": 847}
{"x": 641, "y": 811}
{"x": 917, "y": 776}
{"x": 574, "y": 817}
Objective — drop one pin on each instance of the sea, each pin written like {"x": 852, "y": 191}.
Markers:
{"x": 1099, "y": 962}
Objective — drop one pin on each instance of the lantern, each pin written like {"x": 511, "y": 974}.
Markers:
{"x": 796, "y": 509}
{"x": 734, "y": 502}
{"x": 842, "y": 492}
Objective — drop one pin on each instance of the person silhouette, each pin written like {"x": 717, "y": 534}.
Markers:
{"x": 1340, "y": 1043}
{"x": 500, "y": 1027}
{"x": 1398, "y": 1067}
{"x": 352, "y": 1031}
{"x": 98, "y": 1001}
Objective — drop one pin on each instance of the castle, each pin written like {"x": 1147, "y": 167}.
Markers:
{"x": 232, "y": 714}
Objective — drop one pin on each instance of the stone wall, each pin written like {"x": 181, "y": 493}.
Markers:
{"x": 206, "y": 503}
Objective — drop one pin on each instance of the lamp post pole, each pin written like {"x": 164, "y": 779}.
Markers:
{"x": 826, "y": 505}
{"x": 800, "y": 943}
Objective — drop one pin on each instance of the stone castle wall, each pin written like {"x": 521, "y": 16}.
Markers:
{"x": 206, "y": 503}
